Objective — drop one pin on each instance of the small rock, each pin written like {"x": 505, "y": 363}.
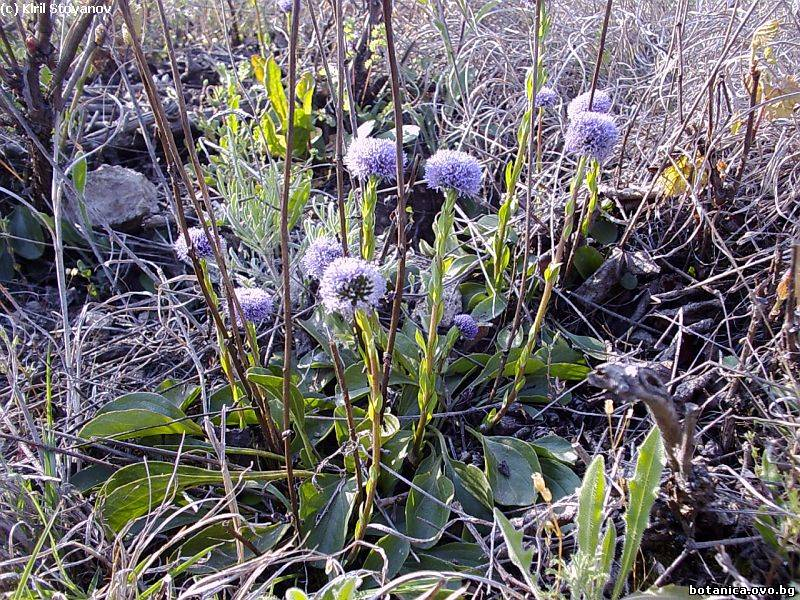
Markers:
{"x": 119, "y": 197}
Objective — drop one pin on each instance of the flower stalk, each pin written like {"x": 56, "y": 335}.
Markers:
{"x": 550, "y": 279}
{"x": 592, "y": 185}
{"x": 368, "y": 203}
{"x": 427, "y": 397}
{"x": 285, "y": 264}
{"x": 367, "y": 324}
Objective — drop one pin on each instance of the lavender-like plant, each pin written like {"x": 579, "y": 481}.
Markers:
{"x": 466, "y": 326}
{"x": 592, "y": 135}
{"x": 546, "y": 97}
{"x": 257, "y": 304}
{"x": 353, "y": 288}
{"x": 455, "y": 171}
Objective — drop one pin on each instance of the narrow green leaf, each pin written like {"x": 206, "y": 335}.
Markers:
{"x": 275, "y": 91}
{"x": 608, "y": 549}
{"x": 590, "y": 506}
{"x": 587, "y": 260}
{"x": 79, "y": 175}
{"x": 396, "y": 551}
{"x": 136, "y": 423}
{"x": 425, "y": 517}
{"x": 27, "y": 236}
{"x": 521, "y": 558}
{"x": 325, "y": 512}
{"x": 643, "y": 489}
{"x": 134, "y": 490}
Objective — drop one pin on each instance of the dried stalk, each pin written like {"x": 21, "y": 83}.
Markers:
{"x": 178, "y": 174}
{"x": 397, "y": 102}
{"x": 286, "y": 264}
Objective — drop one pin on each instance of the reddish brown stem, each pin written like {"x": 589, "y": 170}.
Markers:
{"x": 399, "y": 283}
{"x": 285, "y": 263}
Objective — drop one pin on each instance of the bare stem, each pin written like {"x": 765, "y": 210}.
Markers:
{"x": 285, "y": 262}
{"x": 397, "y": 103}
{"x": 348, "y": 407}
{"x": 550, "y": 280}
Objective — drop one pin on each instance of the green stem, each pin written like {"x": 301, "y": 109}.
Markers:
{"x": 427, "y": 398}
{"x": 539, "y": 118}
{"x": 513, "y": 170}
{"x": 550, "y": 279}
{"x": 368, "y": 204}
{"x": 592, "y": 184}
{"x": 374, "y": 412}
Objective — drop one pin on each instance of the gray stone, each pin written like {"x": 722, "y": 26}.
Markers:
{"x": 119, "y": 197}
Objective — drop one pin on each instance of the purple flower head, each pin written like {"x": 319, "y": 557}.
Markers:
{"x": 372, "y": 157}
{"x": 451, "y": 169}
{"x": 321, "y": 253}
{"x": 286, "y": 5}
{"x": 591, "y": 134}
{"x": 350, "y": 283}
{"x": 466, "y": 326}
{"x": 202, "y": 245}
{"x": 546, "y": 97}
{"x": 601, "y": 103}
{"x": 257, "y": 304}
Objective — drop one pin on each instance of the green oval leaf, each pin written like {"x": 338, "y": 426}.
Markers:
{"x": 426, "y": 517}
{"x": 510, "y": 465}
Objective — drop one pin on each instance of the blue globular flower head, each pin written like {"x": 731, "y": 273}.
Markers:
{"x": 351, "y": 283}
{"x": 601, "y": 103}
{"x": 373, "y": 157}
{"x": 285, "y": 5}
{"x": 257, "y": 304}
{"x": 201, "y": 243}
{"x": 454, "y": 170}
{"x": 591, "y": 134}
{"x": 546, "y": 97}
{"x": 321, "y": 253}
{"x": 466, "y": 325}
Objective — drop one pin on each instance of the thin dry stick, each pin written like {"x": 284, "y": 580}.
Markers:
{"x": 599, "y": 61}
{"x": 755, "y": 78}
{"x": 401, "y": 200}
{"x": 340, "y": 81}
{"x": 178, "y": 173}
{"x": 233, "y": 304}
{"x": 336, "y": 98}
{"x": 285, "y": 264}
